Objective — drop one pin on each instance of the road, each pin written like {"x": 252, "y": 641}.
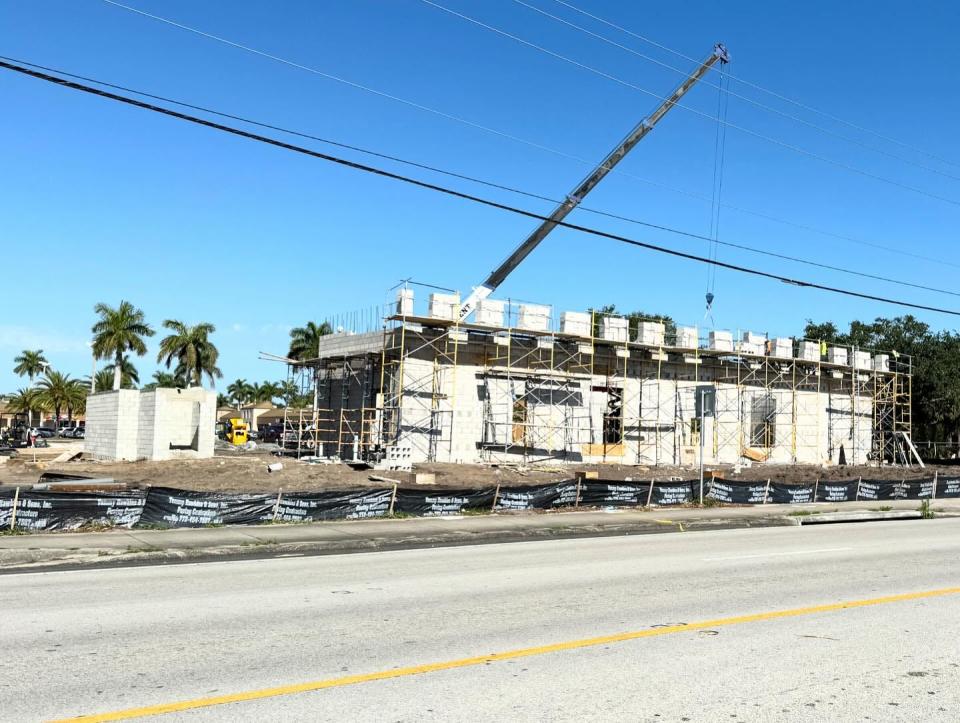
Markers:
{"x": 671, "y": 606}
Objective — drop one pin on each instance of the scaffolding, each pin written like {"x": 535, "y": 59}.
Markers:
{"x": 441, "y": 390}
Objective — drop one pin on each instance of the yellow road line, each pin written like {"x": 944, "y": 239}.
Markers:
{"x": 494, "y": 657}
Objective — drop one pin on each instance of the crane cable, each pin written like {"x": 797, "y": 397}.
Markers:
{"x": 719, "y": 156}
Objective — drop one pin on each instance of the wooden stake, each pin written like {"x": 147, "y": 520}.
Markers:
{"x": 816, "y": 486}
{"x": 393, "y": 499}
{"x": 650, "y": 492}
{"x": 934, "y": 494}
{"x": 496, "y": 496}
{"x": 276, "y": 505}
{"x": 13, "y": 510}
{"x": 577, "y": 503}
{"x": 766, "y": 492}
{"x": 857, "y": 495}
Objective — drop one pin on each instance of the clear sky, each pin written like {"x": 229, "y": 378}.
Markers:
{"x": 102, "y": 202}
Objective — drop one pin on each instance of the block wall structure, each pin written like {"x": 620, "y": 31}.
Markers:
{"x": 154, "y": 425}
{"x": 437, "y": 389}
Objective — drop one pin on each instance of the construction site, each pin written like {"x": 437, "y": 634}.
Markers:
{"x": 521, "y": 384}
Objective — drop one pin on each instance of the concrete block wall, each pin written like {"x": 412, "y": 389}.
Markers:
{"x": 131, "y": 425}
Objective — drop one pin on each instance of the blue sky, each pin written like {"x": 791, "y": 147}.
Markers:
{"x": 101, "y": 202}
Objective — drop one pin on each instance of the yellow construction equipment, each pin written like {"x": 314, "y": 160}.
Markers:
{"x": 237, "y": 431}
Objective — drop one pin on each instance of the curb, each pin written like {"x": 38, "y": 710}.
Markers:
{"x": 37, "y": 560}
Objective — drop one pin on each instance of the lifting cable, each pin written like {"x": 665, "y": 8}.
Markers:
{"x": 719, "y": 155}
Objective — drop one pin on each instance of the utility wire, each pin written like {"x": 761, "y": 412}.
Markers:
{"x": 711, "y": 239}
{"x": 755, "y": 86}
{"x": 738, "y": 96}
{"x": 645, "y": 91}
{"x": 533, "y": 144}
{"x": 460, "y": 194}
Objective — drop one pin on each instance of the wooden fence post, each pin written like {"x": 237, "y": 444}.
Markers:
{"x": 393, "y": 499}
{"x": 13, "y": 510}
{"x": 276, "y": 505}
{"x": 496, "y": 496}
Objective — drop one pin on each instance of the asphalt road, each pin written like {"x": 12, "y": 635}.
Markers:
{"x": 679, "y": 648}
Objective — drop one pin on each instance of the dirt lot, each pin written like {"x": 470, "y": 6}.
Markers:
{"x": 247, "y": 472}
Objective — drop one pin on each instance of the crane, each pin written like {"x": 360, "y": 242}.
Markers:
{"x": 574, "y": 198}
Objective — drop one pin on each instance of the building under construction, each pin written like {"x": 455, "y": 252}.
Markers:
{"x": 517, "y": 384}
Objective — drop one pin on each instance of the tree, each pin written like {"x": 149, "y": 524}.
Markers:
{"x": 305, "y": 340}
{"x": 26, "y": 401}
{"x": 222, "y": 401}
{"x": 240, "y": 392}
{"x": 165, "y": 380}
{"x": 30, "y": 364}
{"x": 102, "y": 381}
{"x": 76, "y": 399}
{"x": 119, "y": 331}
{"x": 267, "y": 391}
{"x": 196, "y": 355}
{"x": 129, "y": 377}
{"x": 57, "y": 391}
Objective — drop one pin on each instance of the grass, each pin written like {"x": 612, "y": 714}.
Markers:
{"x": 803, "y": 513}
{"x": 149, "y": 548}
{"x": 397, "y": 515}
{"x": 258, "y": 543}
{"x": 6, "y": 531}
{"x": 925, "y": 511}
{"x": 881, "y": 508}
{"x": 476, "y": 511}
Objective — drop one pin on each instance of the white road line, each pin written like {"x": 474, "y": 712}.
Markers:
{"x": 777, "y": 554}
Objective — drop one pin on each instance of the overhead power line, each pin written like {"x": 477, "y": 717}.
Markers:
{"x": 533, "y": 144}
{"x": 755, "y": 86}
{"x": 654, "y": 94}
{"x": 711, "y": 239}
{"x": 726, "y": 74}
{"x": 460, "y": 194}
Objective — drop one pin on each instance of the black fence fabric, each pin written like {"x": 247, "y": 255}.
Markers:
{"x": 737, "y": 493}
{"x": 541, "y": 497}
{"x": 170, "y": 507}
{"x": 334, "y": 505}
{"x": 948, "y": 487}
{"x": 438, "y": 502}
{"x": 784, "y": 494}
{"x": 52, "y": 511}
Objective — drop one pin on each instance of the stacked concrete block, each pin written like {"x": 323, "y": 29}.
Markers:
{"x": 112, "y": 426}
{"x": 533, "y": 317}
{"x": 720, "y": 341}
{"x": 881, "y": 362}
{"x": 405, "y": 302}
{"x": 444, "y": 306}
{"x": 614, "y": 328}
{"x": 862, "y": 360}
{"x": 838, "y": 355}
{"x": 687, "y": 337}
{"x": 576, "y": 323}
{"x": 809, "y": 351}
{"x": 490, "y": 312}
{"x": 781, "y": 347}
{"x": 650, "y": 333}
{"x": 752, "y": 343}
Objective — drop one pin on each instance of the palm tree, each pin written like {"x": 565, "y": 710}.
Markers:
{"x": 129, "y": 377}
{"x": 103, "y": 381}
{"x": 222, "y": 401}
{"x": 239, "y": 391}
{"x": 305, "y": 340}
{"x": 191, "y": 347}
{"x": 25, "y": 401}
{"x": 118, "y": 331}
{"x": 267, "y": 391}
{"x": 30, "y": 364}
{"x": 77, "y": 398}
{"x": 165, "y": 380}
{"x": 57, "y": 391}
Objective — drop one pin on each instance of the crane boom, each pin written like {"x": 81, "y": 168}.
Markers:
{"x": 573, "y": 199}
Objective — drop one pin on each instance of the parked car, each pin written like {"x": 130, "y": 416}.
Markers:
{"x": 270, "y": 433}
{"x": 46, "y": 432}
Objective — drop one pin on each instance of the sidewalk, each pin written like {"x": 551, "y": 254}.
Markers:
{"x": 42, "y": 551}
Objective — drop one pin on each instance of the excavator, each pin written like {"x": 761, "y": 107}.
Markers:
{"x": 575, "y": 197}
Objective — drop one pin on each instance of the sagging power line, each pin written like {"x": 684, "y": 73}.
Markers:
{"x": 462, "y": 195}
